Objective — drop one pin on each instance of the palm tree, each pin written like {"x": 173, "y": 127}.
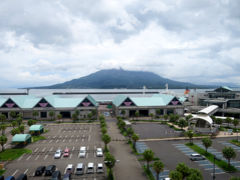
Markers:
{"x": 228, "y": 120}
{"x": 182, "y": 123}
{"x": 35, "y": 114}
{"x": 135, "y": 138}
{"x": 158, "y": 167}
{"x": 190, "y": 135}
{"x": 110, "y": 162}
{"x": 14, "y": 124}
{"x": 148, "y": 156}
{"x": 59, "y": 116}
{"x": 235, "y": 123}
{"x": 137, "y": 114}
{"x": 207, "y": 142}
{"x": 52, "y": 114}
{"x": 3, "y": 140}
{"x": 13, "y": 114}
{"x": 3, "y": 127}
{"x": 151, "y": 115}
{"x": 3, "y": 118}
{"x": 228, "y": 153}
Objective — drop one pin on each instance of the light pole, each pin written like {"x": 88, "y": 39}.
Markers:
{"x": 214, "y": 167}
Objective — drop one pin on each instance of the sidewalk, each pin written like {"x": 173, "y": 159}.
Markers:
{"x": 128, "y": 167}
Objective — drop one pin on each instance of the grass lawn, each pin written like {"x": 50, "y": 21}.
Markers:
{"x": 220, "y": 163}
{"x": 11, "y": 154}
{"x": 2, "y": 172}
{"x": 235, "y": 142}
{"x": 37, "y": 138}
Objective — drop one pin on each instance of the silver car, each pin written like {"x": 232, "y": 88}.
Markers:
{"x": 196, "y": 157}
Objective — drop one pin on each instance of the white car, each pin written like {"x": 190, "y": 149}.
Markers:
{"x": 58, "y": 154}
{"x": 99, "y": 168}
{"x": 90, "y": 168}
{"x": 69, "y": 169}
{"x": 82, "y": 152}
{"x": 99, "y": 152}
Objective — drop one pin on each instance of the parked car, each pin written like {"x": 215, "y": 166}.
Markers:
{"x": 69, "y": 169}
{"x": 79, "y": 169}
{"x": 56, "y": 175}
{"x": 90, "y": 168}
{"x": 82, "y": 152}
{"x": 99, "y": 168}
{"x": 50, "y": 170}
{"x": 67, "y": 176}
{"x": 58, "y": 154}
{"x": 99, "y": 152}
{"x": 196, "y": 157}
{"x": 40, "y": 170}
{"x": 22, "y": 177}
{"x": 10, "y": 178}
{"x": 66, "y": 152}
{"x": 1, "y": 177}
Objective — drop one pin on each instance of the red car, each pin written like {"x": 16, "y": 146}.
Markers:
{"x": 66, "y": 152}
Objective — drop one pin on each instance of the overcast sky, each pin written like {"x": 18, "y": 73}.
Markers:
{"x": 51, "y": 41}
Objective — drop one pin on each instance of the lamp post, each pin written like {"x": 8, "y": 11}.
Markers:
{"x": 214, "y": 167}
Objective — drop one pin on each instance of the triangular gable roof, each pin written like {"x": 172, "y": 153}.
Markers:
{"x": 175, "y": 101}
{"x": 223, "y": 89}
{"x": 42, "y": 103}
{"x": 2, "y": 101}
{"x": 85, "y": 103}
{"x": 27, "y": 101}
{"x": 9, "y": 103}
{"x": 118, "y": 100}
{"x": 128, "y": 102}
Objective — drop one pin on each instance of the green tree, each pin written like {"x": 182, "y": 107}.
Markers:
{"x": 207, "y": 142}
{"x": 130, "y": 132}
{"x": 15, "y": 131}
{"x": 90, "y": 115}
{"x": 135, "y": 138}
{"x": 109, "y": 162}
{"x": 3, "y": 118}
{"x": 52, "y": 115}
{"x": 77, "y": 112}
{"x": 22, "y": 128}
{"x": 172, "y": 118}
{"x": 228, "y": 120}
{"x": 182, "y": 123}
{"x": 158, "y": 111}
{"x": 188, "y": 117}
{"x": 228, "y": 153}
{"x": 175, "y": 175}
{"x": 148, "y": 156}
{"x": 30, "y": 122}
{"x": 158, "y": 167}
{"x": 183, "y": 169}
{"x": 35, "y": 114}
{"x": 104, "y": 130}
{"x": 14, "y": 124}
{"x": 165, "y": 116}
{"x": 59, "y": 116}
{"x": 194, "y": 174}
{"x": 137, "y": 114}
{"x": 218, "y": 121}
{"x": 19, "y": 121}
{"x": 106, "y": 139}
{"x": 3, "y": 140}
{"x": 13, "y": 115}
{"x": 235, "y": 123}
{"x": 190, "y": 136}
{"x": 74, "y": 117}
{"x": 235, "y": 178}
{"x": 3, "y": 127}
{"x": 151, "y": 115}
{"x": 122, "y": 125}
{"x": 123, "y": 112}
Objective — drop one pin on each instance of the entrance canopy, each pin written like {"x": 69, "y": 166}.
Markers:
{"x": 21, "y": 138}
{"x": 202, "y": 117}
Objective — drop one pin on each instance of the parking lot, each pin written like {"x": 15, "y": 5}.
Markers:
{"x": 157, "y": 130}
{"x": 173, "y": 152}
{"x": 61, "y": 136}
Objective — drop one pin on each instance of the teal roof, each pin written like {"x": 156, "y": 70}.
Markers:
{"x": 36, "y": 127}
{"x": 182, "y": 99}
{"x": 228, "y": 88}
{"x": 2, "y": 100}
{"x": 29, "y": 101}
{"x": 155, "y": 100}
{"x": 21, "y": 137}
{"x": 118, "y": 100}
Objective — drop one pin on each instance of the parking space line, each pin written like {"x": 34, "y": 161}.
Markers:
{"x": 63, "y": 140}
{"x": 57, "y": 141}
{"x": 89, "y": 137}
{"x": 25, "y": 172}
{"x": 70, "y": 140}
{"x": 76, "y": 140}
{"x": 45, "y": 157}
{"x": 37, "y": 157}
{"x": 29, "y": 157}
{"x": 20, "y": 158}
{"x": 15, "y": 172}
{"x": 70, "y": 156}
{"x": 82, "y": 140}
{"x": 44, "y": 149}
{"x": 51, "y": 149}
{"x": 54, "y": 137}
{"x": 50, "y": 141}
{"x": 36, "y": 150}
{"x": 73, "y": 148}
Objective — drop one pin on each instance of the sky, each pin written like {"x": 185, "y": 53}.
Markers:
{"x": 47, "y": 42}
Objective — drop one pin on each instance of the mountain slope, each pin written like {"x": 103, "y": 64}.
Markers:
{"x": 118, "y": 78}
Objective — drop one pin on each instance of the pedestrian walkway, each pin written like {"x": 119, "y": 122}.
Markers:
{"x": 225, "y": 143}
{"x": 219, "y": 155}
{"x": 128, "y": 166}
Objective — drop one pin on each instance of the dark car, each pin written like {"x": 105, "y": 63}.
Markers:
{"x": 50, "y": 170}
{"x": 22, "y": 177}
{"x": 67, "y": 176}
{"x": 56, "y": 175}
{"x": 1, "y": 177}
{"x": 40, "y": 170}
{"x": 10, "y": 178}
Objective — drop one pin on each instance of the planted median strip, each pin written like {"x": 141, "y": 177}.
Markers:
{"x": 37, "y": 138}
{"x": 220, "y": 163}
{"x": 12, "y": 154}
